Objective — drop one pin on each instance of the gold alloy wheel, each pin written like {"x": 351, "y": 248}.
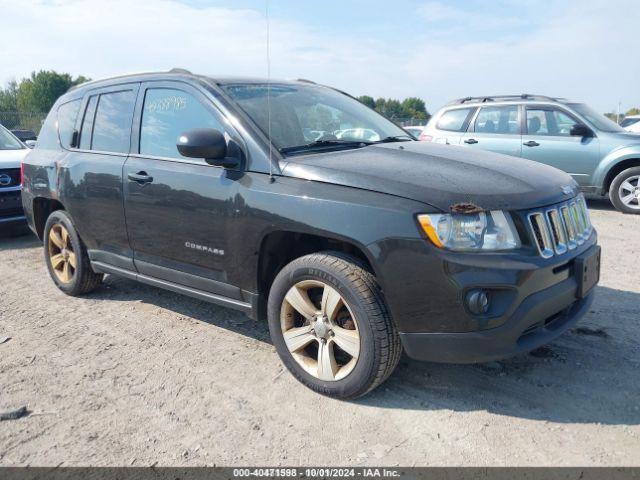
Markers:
{"x": 61, "y": 255}
{"x": 320, "y": 330}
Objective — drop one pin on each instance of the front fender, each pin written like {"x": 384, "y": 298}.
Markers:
{"x": 612, "y": 159}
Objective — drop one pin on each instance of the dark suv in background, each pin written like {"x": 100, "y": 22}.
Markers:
{"x": 294, "y": 201}
{"x": 12, "y": 151}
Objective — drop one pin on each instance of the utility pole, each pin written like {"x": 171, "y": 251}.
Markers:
{"x": 618, "y": 115}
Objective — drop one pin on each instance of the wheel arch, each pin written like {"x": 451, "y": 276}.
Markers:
{"x": 279, "y": 247}
{"x": 613, "y": 164}
{"x": 42, "y": 208}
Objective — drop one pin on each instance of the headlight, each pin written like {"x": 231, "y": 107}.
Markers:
{"x": 481, "y": 231}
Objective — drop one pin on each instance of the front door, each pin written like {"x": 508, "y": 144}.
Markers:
{"x": 496, "y": 128}
{"x": 547, "y": 139}
{"x": 178, "y": 209}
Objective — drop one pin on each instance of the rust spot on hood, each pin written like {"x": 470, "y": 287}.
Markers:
{"x": 465, "y": 208}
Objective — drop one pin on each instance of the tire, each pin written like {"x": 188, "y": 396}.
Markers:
{"x": 76, "y": 277}
{"x": 360, "y": 312}
{"x": 626, "y": 184}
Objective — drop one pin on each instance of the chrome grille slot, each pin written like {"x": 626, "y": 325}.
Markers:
{"x": 558, "y": 233}
{"x": 569, "y": 227}
{"x": 561, "y": 228}
{"x": 541, "y": 233}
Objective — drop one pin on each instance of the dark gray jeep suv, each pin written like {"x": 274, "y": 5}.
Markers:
{"x": 293, "y": 201}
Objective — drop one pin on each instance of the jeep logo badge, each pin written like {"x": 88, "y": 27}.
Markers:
{"x": 5, "y": 180}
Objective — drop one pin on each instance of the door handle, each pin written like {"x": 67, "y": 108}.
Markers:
{"x": 140, "y": 177}
{"x": 531, "y": 143}
{"x": 471, "y": 141}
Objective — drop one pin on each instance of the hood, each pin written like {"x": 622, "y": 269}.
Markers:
{"x": 630, "y": 138}
{"x": 439, "y": 175}
{"x": 12, "y": 158}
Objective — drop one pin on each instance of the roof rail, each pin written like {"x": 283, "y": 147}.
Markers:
{"x": 304, "y": 80}
{"x": 180, "y": 70}
{"x": 493, "y": 98}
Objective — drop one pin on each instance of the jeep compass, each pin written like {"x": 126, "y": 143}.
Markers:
{"x": 293, "y": 201}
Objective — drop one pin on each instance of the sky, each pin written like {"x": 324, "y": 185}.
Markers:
{"x": 585, "y": 50}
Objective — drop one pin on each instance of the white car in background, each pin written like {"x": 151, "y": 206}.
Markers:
{"x": 631, "y": 123}
{"x": 12, "y": 152}
{"x": 414, "y": 130}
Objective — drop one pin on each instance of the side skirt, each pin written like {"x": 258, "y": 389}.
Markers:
{"x": 245, "y": 307}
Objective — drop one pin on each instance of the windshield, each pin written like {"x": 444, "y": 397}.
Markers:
{"x": 627, "y": 122}
{"x": 596, "y": 119}
{"x": 8, "y": 141}
{"x": 309, "y": 117}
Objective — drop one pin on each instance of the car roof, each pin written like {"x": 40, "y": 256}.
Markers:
{"x": 177, "y": 73}
{"x": 522, "y": 97}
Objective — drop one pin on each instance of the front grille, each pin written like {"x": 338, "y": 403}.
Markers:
{"x": 10, "y": 204}
{"x": 561, "y": 228}
{"x": 13, "y": 175}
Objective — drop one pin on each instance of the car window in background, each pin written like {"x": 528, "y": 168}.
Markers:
{"x": 563, "y": 122}
{"x": 8, "y": 141}
{"x": 67, "y": 115}
{"x": 627, "y": 122}
{"x": 500, "y": 120}
{"x": 303, "y": 114}
{"x": 537, "y": 122}
{"x": 112, "y": 125}
{"x": 454, "y": 120}
{"x": 596, "y": 119}
{"x": 546, "y": 121}
{"x": 87, "y": 123}
{"x": 166, "y": 115}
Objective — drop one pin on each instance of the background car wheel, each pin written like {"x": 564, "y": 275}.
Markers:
{"x": 331, "y": 327}
{"x": 66, "y": 256}
{"x": 625, "y": 191}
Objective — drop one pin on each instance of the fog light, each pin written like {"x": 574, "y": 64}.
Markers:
{"x": 478, "y": 302}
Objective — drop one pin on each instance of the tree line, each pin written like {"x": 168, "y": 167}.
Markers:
{"x": 392, "y": 108}
{"x": 35, "y": 94}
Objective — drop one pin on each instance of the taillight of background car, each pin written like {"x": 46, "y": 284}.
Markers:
{"x": 425, "y": 138}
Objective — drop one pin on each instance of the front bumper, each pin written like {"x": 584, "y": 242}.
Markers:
{"x": 11, "y": 213}
{"x": 539, "y": 319}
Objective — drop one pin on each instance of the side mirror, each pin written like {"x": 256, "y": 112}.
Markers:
{"x": 580, "y": 130}
{"x": 206, "y": 143}
{"x": 30, "y": 143}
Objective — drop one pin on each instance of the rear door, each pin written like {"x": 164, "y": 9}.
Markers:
{"x": 496, "y": 128}
{"x": 178, "y": 209}
{"x": 91, "y": 172}
{"x": 450, "y": 125}
{"x": 547, "y": 139}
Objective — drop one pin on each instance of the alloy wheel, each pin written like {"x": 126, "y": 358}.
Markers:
{"x": 61, "y": 255}
{"x": 320, "y": 330}
{"x": 629, "y": 192}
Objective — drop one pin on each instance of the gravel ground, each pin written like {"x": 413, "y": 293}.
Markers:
{"x": 133, "y": 375}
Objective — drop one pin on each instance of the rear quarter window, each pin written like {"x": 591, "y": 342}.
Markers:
{"x": 67, "y": 114}
{"x": 455, "y": 120}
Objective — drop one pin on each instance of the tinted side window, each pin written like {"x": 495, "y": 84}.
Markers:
{"x": 112, "y": 125}
{"x": 166, "y": 115}
{"x": 500, "y": 120}
{"x": 454, "y": 120}
{"x": 67, "y": 114}
{"x": 87, "y": 123}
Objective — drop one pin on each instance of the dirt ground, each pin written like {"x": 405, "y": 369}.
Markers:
{"x": 133, "y": 375}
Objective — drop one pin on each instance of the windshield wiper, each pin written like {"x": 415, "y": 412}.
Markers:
{"x": 324, "y": 143}
{"x": 396, "y": 138}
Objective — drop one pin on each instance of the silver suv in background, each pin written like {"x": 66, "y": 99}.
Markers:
{"x": 595, "y": 151}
